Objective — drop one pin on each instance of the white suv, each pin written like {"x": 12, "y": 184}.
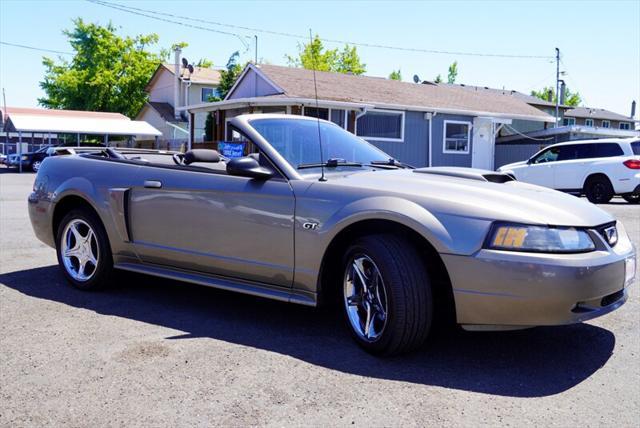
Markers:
{"x": 598, "y": 169}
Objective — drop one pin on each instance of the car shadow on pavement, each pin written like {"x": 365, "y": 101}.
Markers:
{"x": 528, "y": 363}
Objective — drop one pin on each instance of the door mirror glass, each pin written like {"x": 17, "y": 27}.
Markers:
{"x": 249, "y": 167}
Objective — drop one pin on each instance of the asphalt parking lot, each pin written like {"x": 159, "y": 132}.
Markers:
{"x": 151, "y": 352}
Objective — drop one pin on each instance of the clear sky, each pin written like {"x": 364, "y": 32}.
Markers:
{"x": 599, "y": 41}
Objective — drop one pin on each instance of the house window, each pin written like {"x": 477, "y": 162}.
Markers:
{"x": 625, "y": 125}
{"x": 569, "y": 121}
{"x": 208, "y": 93}
{"x": 338, "y": 117}
{"x": 322, "y": 113}
{"x": 381, "y": 125}
{"x": 606, "y": 124}
{"x": 457, "y": 137}
{"x": 588, "y": 122}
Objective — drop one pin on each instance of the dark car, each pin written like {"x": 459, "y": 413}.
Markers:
{"x": 33, "y": 160}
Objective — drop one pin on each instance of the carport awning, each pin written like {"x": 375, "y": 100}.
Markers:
{"x": 79, "y": 125}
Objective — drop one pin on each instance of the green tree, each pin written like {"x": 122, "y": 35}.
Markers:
{"x": 395, "y": 75}
{"x": 453, "y": 73}
{"x": 348, "y": 61}
{"x": 204, "y": 63}
{"x": 570, "y": 98}
{"x": 438, "y": 79}
{"x": 313, "y": 55}
{"x": 107, "y": 72}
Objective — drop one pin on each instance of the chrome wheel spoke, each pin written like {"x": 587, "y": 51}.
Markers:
{"x": 79, "y": 249}
{"x": 365, "y": 298}
{"x": 355, "y": 300}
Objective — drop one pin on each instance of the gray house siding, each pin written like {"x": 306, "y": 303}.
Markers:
{"x": 509, "y": 153}
{"x": 447, "y": 159}
{"x": 252, "y": 86}
{"x": 414, "y": 150}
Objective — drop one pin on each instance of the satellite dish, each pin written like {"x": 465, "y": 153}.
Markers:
{"x": 185, "y": 63}
{"x": 190, "y": 67}
{"x": 416, "y": 79}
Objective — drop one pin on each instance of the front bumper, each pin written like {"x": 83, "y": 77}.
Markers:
{"x": 498, "y": 289}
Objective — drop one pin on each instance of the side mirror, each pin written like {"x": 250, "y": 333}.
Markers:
{"x": 249, "y": 167}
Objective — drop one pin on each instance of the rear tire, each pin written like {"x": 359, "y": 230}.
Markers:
{"x": 632, "y": 198}
{"x": 83, "y": 250}
{"x": 398, "y": 303}
{"x": 598, "y": 190}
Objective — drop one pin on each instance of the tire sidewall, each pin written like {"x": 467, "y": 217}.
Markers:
{"x": 105, "y": 261}
{"x": 35, "y": 166}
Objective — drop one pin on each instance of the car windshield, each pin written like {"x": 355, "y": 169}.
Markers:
{"x": 297, "y": 141}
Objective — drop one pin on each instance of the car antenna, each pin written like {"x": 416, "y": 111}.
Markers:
{"x": 315, "y": 87}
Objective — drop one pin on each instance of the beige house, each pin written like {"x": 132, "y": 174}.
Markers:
{"x": 173, "y": 86}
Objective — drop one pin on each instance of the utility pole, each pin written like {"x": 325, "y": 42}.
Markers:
{"x": 557, "y": 87}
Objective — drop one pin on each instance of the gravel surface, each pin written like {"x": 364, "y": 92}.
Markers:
{"x": 151, "y": 352}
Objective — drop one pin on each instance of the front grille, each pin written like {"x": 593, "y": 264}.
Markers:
{"x": 612, "y": 298}
{"x": 602, "y": 231}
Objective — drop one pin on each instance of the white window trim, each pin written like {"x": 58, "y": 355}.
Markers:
{"x": 393, "y": 140}
{"x": 608, "y": 122}
{"x": 627, "y": 124}
{"x": 587, "y": 124}
{"x": 213, "y": 90}
{"x": 330, "y": 111}
{"x": 444, "y": 137}
{"x": 571, "y": 121}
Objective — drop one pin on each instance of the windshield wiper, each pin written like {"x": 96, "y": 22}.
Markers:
{"x": 390, "y": 162}
{"x": 330, "y": 163}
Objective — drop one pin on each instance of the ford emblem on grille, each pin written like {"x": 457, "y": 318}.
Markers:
{"x": 611, "y": 234}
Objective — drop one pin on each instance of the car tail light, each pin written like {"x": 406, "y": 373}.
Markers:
{"x": 632, "y": 163}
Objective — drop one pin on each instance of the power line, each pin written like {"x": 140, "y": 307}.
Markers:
{"x": 137, "y": 11}
{"x": 36, "y": 49}
{"x": 198, "y": 27}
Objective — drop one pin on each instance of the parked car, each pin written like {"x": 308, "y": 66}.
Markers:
{"x": 308, "y": 221}
{"x": 598, "y": 169}
{"x": 32, "y": 160}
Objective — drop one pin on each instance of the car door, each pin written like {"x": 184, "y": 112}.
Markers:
{"x": 539, "y": 169}
{"x": 571, "y": 165}
{"x": 214, "y": 223}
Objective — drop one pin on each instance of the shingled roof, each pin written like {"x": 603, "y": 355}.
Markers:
{"x": 596, "y": 113}
{"x": 298, "y": 83}
{"x": 203, "y": 75}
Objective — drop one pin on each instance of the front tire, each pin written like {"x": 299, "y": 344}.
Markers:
{"x": 598, "y": 190}
{"x": 83, "y": 250}
{"x": 387, "y": 298}
{"x": 35, "y": 166}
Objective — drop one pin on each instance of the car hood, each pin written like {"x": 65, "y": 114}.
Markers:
{"x": 511, "y": 165}
{"x": 465, "y": 193}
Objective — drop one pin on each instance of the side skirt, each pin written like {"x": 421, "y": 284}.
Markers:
{"x": 246, "y": 287}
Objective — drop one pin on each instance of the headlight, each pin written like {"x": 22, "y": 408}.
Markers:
{"x": 539, "y": 239}
{"x": 24, "y": 157}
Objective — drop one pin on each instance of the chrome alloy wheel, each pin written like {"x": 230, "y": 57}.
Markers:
{"x": 35, "y": 166}
{"x": 365, "y": 298}
{"x": 79, "y": 250}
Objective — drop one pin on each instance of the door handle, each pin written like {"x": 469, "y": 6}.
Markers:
{"x": 152, "y": 184}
